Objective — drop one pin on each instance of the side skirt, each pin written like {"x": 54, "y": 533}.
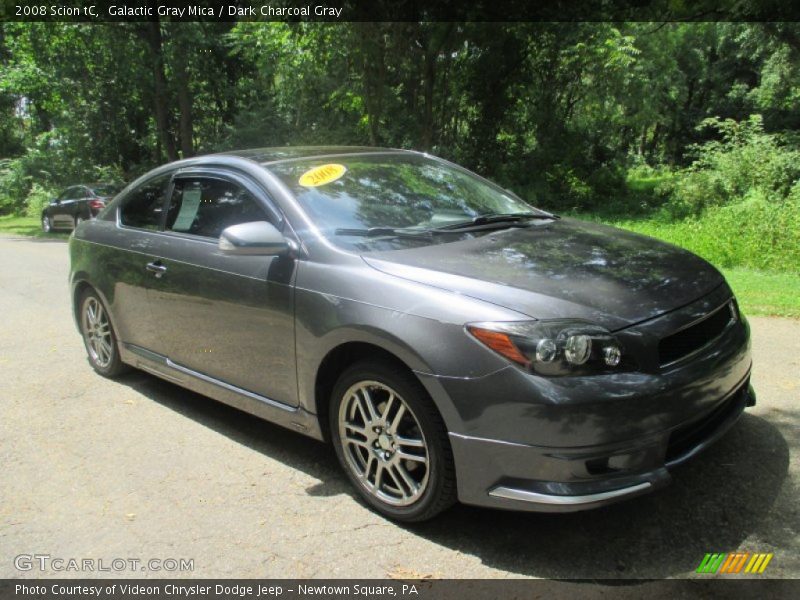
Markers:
{"x": 292, "y": 417}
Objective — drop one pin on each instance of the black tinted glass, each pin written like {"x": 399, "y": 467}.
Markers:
{"x": 205, "y": 206}
{"x": 144, "y": 206}
{"x": 105, "y": 190}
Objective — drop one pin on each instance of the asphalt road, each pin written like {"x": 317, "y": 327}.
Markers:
{"x": 140, "y": 468}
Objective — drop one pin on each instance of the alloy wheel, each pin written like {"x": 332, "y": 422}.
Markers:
{"x": 383, "y": 443}
{"x": 97, "y": 333}
{"x": 46, "y": 227}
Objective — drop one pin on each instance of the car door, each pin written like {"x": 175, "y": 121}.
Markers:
{"x": 227, "y": 317}
{"x": 80, "y": 205}
{"x": 54, "y": 207}
{"x": 126, "y": 251}
{"x": 61, "y": 211}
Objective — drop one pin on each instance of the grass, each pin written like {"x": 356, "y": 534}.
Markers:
{"x": 759, "y": 292}
{"x": 30, "y": 226}
{"x": 647, "y": 184}
{"x": 765, "y": 293}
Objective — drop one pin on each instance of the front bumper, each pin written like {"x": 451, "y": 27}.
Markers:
{"x": 596, "y": 476}
{"x": 526, "y": 442}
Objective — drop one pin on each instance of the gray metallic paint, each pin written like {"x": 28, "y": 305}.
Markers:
{"x": 252, "y": 331}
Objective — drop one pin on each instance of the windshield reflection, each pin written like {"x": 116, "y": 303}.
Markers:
{"x": 393, "y": 191}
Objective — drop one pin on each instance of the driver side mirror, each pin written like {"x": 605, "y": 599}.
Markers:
{"x": 255, "y": 238}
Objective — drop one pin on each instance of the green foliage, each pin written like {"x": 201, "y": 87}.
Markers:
{"x": 43, "y": 171}
{"x": 620, "y": 119}
{"x": 756, "y": 233}
{"x": 37, "y": 199}
{"x": 745, "y": 162}
{"x": 14, "y": 185}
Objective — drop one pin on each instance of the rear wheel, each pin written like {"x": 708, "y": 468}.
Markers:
{"x": 99, "y": 337}
{"x": 392, "y": 442}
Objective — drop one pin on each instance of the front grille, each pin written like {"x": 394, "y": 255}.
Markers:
{"x": 684, "y": 342}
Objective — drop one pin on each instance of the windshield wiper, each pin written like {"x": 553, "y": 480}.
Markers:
{"x": 383, "y": 232}
{"x": 479, "y": 222}
{"x": 512, "y": 219}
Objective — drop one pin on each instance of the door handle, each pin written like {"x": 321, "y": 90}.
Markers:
{"x": 157, "y": 268}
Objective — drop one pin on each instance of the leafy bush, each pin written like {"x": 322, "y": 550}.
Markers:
{"x": 567, "y": 189}
{"x": 37, "y": 199}
{"x": 745, "y": 161}
{"x": 14, "y": 185}
{"x": 757, "y": 233}
{"x": 29, "y": 180}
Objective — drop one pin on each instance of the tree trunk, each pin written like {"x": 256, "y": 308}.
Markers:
{"x": 438, "y": 36}
{"x": 185, "y": 123}
{"x": 657, "y": 131}
{"x": 428, "y": 83}
{"x": 643, "y": 140}
{"x": 160, "y": 96}
{"x": 374, "y": 74}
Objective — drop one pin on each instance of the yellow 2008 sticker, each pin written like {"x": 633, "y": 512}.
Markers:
{"x": 322, "y": 175}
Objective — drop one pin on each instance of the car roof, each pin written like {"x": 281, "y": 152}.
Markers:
{"x": 267, "y": 156}
{"x": 90, "y": 185}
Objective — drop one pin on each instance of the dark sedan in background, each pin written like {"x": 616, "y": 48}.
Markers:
{"x": 75, "y": 204}
{"x": 449, "y": 339}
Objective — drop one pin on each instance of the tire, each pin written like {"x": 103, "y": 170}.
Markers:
{"x": 47, "y": 224}
{"x": 99, "y": 336}
{"x": 377, "y": 460}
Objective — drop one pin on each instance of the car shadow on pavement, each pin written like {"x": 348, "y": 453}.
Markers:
{"x": 737, "y": 490}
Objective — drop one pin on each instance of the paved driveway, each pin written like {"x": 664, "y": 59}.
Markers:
{"x": 139, "y": 468}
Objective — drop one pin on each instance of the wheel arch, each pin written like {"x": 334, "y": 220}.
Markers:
{"x": 79, "y": 286}
{"x": 340, "y": 358}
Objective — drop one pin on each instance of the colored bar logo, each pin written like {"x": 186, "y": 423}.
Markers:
{"x": 735, "y": 562}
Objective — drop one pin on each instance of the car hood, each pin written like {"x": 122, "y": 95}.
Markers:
{"x": 561, "y": 269}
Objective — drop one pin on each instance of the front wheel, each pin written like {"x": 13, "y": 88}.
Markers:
{"x": 99, "y": 337}
{"x": 47, "y": 225}
{"x": 392, "y": 442}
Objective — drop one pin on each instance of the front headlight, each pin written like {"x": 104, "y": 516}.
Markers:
{"x": 559, "y": 347}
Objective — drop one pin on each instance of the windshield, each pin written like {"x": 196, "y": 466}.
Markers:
{"x": 345, "y": 195}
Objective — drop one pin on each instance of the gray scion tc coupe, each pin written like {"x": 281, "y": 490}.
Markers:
{"x": 451, "y": 341}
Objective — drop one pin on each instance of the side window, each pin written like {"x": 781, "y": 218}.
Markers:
{"x": 144, "y": 206}
{"x": 66, "y": 194}
{"x": 205, "y": 206}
